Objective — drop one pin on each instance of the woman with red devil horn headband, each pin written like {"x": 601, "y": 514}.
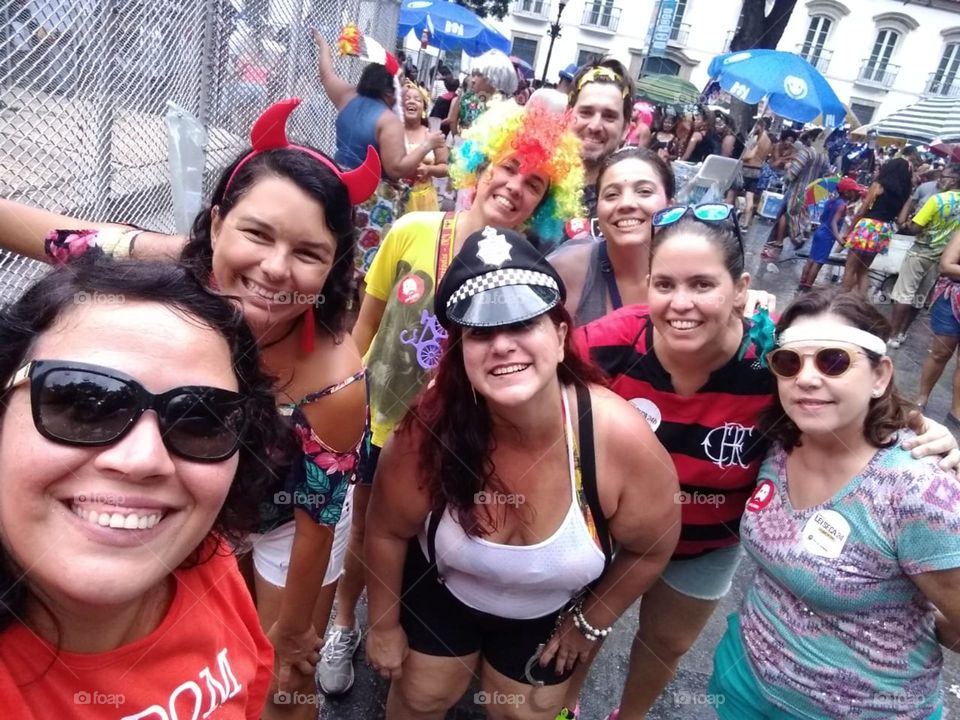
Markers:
{"x": 278, "y": 240}
{"x": 369, "y": 115}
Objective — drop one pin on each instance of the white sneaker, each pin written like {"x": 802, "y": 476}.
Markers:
{"x": 334, "y": 673}
{"x": 897, "y": 341}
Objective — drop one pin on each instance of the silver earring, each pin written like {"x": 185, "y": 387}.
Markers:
{"x": 877, "y": 393}
{"x": 474, "y": 391}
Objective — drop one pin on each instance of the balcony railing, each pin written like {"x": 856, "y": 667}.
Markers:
{"x": 603, "y": 17}
{"x": 943, "y": 85}
{"x": 539, "y": 9}
{"x": 680, "y": 33}
{"x": 877, "y": 74}
{"x": 819, "y": 57}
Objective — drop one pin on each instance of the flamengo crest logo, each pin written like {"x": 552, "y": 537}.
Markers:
{"x": 724, "y": 445}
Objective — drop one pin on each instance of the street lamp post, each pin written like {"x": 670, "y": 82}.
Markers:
{"x": 554, "y": 34}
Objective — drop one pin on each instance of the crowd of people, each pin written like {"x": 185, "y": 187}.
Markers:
{"x": 508, "y": 422}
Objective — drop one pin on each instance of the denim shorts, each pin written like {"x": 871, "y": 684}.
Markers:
{"x": 708, "y": 577}
{"x": 942, "y": 319}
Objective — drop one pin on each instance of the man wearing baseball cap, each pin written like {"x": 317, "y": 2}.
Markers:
{"x": 566, "y": 78}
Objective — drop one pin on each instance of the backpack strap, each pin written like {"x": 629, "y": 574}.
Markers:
{"x": 588, "y": 471}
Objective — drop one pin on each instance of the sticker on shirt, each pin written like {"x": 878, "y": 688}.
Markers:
{"x": 825, "y": 534}
{"x": 761, "y": 497}
{"x": 649, "y": 411}
{"x": 410, "y": 289}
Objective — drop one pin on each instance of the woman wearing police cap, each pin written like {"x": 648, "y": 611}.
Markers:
{"x": 512, "y": 481}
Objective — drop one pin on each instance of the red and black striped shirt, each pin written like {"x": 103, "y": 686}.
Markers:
{"x": 711, "y": 435}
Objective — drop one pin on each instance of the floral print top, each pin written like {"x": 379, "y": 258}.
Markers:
{"x": 318, "y": 484}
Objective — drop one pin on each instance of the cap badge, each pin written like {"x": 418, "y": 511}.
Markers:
{"x": 494, "y": 249}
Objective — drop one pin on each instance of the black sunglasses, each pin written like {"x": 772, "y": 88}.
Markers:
{"x": 829, "y": 361}
{"x": 708, "y": 213}
{"x": 88, "y": 405}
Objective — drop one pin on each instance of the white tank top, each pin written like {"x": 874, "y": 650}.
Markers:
{"x": 520, "y": 581}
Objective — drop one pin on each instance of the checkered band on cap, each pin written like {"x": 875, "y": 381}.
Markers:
{"x": 500, "y": 278}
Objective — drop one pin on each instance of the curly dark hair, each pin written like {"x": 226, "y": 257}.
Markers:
{"x": 886, "y": 414}
{"x": 317, "y": 181}
{"x": 267, "y": 446}
{"x": 455, "y": 455}
{"x": 634, "y": 152}
{"x": 375, "y": 82}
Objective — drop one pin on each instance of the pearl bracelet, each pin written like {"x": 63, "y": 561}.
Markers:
{"x": 587, "y": 630}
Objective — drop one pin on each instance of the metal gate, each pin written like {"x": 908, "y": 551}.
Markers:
{"x": 84, "y": 86}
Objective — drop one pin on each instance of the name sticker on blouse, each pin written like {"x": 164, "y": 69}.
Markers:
{"x": 825, "y": 534}
{"x": 761, "y": 497}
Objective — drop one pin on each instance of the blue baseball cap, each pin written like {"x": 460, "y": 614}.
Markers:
{"x": 569, "y": 71}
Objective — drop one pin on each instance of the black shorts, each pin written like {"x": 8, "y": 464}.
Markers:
{"x": 751, "y": 178}
{"x": 438, "y": 624}
{"x": 367, "y": 466}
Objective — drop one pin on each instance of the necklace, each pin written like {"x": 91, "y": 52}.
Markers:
{"x": 288, "y": 333}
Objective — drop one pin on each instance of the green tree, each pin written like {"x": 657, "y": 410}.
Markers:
{"x": 483, "y": 8}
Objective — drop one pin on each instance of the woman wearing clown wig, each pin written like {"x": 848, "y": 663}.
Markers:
{"x": 524, "y": 165}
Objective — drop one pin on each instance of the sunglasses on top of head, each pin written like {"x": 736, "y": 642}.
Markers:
{"x": 708, "y": 213}
{"x": 84, "y": 405}
{"x": 830, "y": 362}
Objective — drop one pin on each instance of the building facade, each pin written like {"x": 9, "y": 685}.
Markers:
{"x": 879, "y": 55}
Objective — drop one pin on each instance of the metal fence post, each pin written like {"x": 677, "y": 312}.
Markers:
{"x": 104, "y": 118}
{"x": 208, "y": 60}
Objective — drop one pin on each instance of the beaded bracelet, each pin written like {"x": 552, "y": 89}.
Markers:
{"x": 587, "y": 630}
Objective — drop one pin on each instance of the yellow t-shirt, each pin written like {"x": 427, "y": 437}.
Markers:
{"x": 407, "y": 344}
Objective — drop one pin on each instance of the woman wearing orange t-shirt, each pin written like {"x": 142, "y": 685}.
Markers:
{"x": 135, "y": 423}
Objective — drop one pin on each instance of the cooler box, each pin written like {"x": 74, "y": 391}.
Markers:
{"x": 771, "y": 205}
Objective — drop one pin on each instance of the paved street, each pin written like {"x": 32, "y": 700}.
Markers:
{"x": 685, "y": 697}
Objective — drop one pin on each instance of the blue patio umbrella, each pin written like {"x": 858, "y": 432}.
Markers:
{"x": 451, "y": 27}
{"x": 795, "y": 89}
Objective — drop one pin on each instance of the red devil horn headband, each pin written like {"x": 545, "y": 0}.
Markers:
{"x": 270, "y": 133}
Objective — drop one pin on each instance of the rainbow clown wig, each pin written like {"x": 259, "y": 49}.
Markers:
{"x": 542, "y": 142}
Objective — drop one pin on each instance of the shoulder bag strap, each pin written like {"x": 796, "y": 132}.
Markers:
{"x": 588, "y": 469}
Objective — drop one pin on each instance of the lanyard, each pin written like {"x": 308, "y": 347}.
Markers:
{"x": 609, "y": 278}
{"x": 443, "y": 249}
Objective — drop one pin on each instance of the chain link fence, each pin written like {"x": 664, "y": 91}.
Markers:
{"x": 84, "y": 86}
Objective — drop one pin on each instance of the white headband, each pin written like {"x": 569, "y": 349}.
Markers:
{"x": 833, "y": 332}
